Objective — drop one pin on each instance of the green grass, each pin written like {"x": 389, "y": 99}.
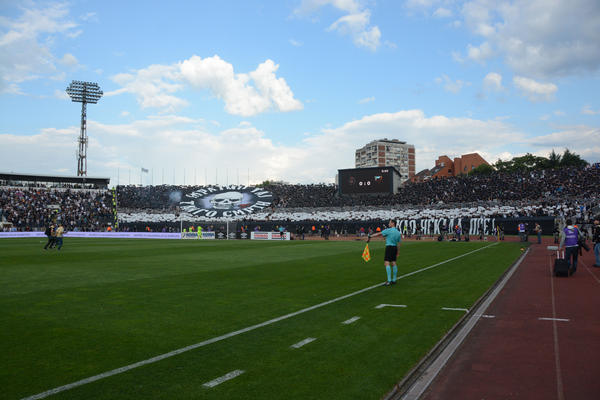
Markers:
{"x": 102, "y": 304}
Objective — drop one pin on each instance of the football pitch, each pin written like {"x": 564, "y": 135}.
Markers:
{"x": 228, "y": 319}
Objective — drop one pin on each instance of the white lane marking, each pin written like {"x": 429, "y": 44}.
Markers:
{"x": 303, "y": 342}
{"x": 351, "y": 320}
{"x": 223, "y": 378}
{"x": 554, "y": 319}
{"x": 390, "y": 305}
{"x": 590, "y": 271}
{"x": 160, "y": 357}
{"x": 560, "y": 391}
{"x": 485, "y": 316}
{"x": 455, "y": 309}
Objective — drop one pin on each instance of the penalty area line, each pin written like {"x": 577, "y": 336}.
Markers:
{"x": 160, "y": 357}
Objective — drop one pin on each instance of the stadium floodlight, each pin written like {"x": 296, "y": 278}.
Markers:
{"x": 83, "y": 92}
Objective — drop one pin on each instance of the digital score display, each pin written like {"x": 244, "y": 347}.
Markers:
{"x": 366, "y": 180}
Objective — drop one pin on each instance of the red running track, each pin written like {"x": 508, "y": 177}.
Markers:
{"x": 517, "y": 355}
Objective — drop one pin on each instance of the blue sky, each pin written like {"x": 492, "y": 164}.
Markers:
{"x": 243, "y": 91}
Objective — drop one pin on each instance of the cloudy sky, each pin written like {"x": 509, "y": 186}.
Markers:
{"x": 243, "y": 91}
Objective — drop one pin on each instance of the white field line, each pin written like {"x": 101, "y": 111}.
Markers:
{"x": 455, "y": 309}
{"x": 223, "y": 378}
{"x": 391, "y": 305}
{"x": 351, "y": 320}
{"x": 231, "y": 334}
{"x": 554, "y": 319}
{"x": 303, "y": 342}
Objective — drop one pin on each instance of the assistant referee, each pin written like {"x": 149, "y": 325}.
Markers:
{"x": 392, "y": 238}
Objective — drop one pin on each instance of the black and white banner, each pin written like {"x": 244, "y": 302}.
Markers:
{"x": 225, "y": 201}
{"x": 433, "y": 226}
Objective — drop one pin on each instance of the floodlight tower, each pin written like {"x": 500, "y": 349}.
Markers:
{"x": 83, "y": 92}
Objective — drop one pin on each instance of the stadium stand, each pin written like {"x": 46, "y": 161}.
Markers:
{"x": 573, "y": 192}
{"x": 563, "y": 192}
{"x": 30, "y": 202}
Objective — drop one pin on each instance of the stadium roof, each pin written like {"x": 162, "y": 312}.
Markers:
{"x": 99, "y": 181}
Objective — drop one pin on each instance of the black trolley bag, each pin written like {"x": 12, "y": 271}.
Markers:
{"x": 562, "y": 267}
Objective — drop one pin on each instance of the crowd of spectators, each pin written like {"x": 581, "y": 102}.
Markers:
{"x": 531, "y": 185}
{"x": 34, "y": 208}
{"x": 541, "y": 185}
{"x": 554, "y": 192}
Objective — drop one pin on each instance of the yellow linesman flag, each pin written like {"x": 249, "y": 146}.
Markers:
{"x": 366, "y": 253}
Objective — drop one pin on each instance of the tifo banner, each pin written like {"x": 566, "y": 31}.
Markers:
{"x": 225, "y": 201}
{"x": 269, "y": 236}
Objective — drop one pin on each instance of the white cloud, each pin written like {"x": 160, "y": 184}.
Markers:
{"x": 587, "y": 110}
{"x": 533, "y": 90}
{"x": 244, "y": 94}
{"x": 480, "y": 54}
{"x": 61, "y": 94}
{"x": 296, "y": 43}
{"x": 581, "y": 139}
{"x": 450, "y": 85}
{"x": 173, "y": 142}
{"x": 69, "y": 60}
{"x": 493, "y": 81}
{"x": 539, "y": 38}
{"x": 169, "y": 141}
{"x": 442, "y": 13}
{"x": 366, "y": 100}
{"x": 356, "y": 22}
{"x": 25, "y": 44}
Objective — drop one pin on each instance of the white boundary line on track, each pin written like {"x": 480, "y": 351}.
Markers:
{"x": 554, "y": 319}
{"x": 560, "y": 391}
{"x": 160, "y": 357}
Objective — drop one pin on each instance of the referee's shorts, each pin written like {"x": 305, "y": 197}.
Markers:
{"x": 390, "y": 253}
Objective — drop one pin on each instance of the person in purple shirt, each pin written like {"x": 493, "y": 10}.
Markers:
{"x": 569, "y": 238}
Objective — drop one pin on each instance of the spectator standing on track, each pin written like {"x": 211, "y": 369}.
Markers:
{"x": 59, "y": 236}
{"x": 522, "y": 232}
{"x": 392, "y": 238}
{"x": 569, "y": 238}
{"x": 538, "y": 232}
{"x": 596, "y": 239}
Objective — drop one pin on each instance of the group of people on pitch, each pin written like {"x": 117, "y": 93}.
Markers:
{"x": 55, "y": 236}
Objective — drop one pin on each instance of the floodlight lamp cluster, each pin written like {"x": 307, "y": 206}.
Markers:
{"x": 84, "y": 92}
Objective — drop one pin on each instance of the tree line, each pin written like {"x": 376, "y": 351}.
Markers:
{"x": 529, "y": 162}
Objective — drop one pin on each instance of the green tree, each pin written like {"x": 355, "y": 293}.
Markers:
{"x": 570, "y": 159}
{"x": 483, "y": 169}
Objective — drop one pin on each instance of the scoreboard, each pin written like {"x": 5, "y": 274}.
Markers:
{"x": 367, "y": 180}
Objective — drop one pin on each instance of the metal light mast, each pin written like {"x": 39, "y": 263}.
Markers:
{"x": 83, "y": 92}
